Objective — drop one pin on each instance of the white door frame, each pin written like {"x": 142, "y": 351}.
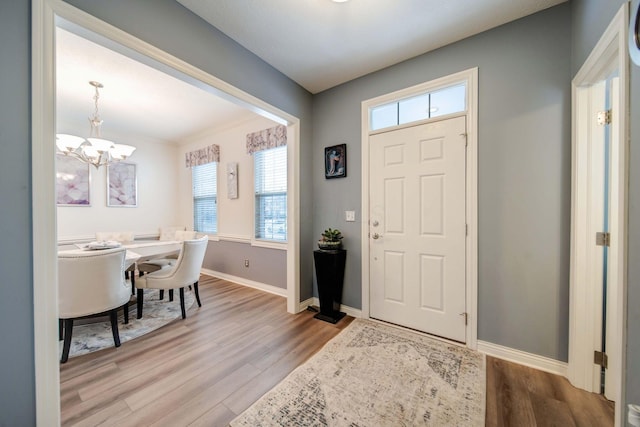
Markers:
{"x": 45, "y": 289}
{"x": 609, "y": 54}
{"x": 470, "y": 77}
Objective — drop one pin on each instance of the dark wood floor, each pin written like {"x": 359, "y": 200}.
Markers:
{"x": 206, "y": 369}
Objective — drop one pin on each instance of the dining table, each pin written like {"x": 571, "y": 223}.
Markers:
{"x": 136, "y": 251}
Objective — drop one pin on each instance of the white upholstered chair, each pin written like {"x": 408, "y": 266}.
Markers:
{"x": 175, "y": 233}
{"x": 121, "y": 237}
{"x": 169, "y": 233}
{"x": 118, "y": 236}
{"x": 185, "y": 272}
{"x": 91, "y": 283}
{"x": 166, "y": 233}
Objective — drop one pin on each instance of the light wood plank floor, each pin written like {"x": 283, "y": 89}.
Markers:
{"x": 206, "y": 369}
{"x": 522, "y": 396}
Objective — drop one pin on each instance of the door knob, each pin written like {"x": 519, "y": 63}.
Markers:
{"x": 375, "y": 223}
{"x": 375, "y": 236}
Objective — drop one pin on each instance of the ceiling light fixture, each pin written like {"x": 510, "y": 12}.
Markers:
{"x": 94, "y": 150}
{"x": 339, "y": 1}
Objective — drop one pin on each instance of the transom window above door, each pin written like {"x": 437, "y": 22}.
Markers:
{"x": 427, "y": 105}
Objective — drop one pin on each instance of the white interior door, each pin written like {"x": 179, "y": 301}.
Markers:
{"x": 603, "y": 213}
{"x": 418, "y": 227}
{"x": 597, "y": 218}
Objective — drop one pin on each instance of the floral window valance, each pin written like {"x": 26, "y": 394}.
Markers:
{"x": 202, "y": 156}
{"x": 267, "y": 138}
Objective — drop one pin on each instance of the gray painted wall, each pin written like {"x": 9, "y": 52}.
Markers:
{"x": 266, "y": 265}
{"x": 590, "y": 19}
{"x": 169, "y": 26}
{"x": 524, "y": 173}
{"x": 17, "y": 377}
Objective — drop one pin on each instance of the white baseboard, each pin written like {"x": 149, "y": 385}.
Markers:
{"x": 353, "y": 312}
{"x": 531, "y": 360}
{"x": 246, "y": 282}
{"x": 302, "y": 306}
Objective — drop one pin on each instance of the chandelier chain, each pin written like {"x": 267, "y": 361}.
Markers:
{"x": 95, "y": 121}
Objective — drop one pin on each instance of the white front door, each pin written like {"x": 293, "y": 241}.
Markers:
{"x": 418, "y": 227}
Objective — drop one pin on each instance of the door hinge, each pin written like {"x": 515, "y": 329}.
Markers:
{"x": 466, "y": 229}
{"x": 603, "y": 238}
{"x": 466, "y": 141}
{"x": 604, "y": 117}
{"x": 466, "y": 317}
{"x": 600, "y": 358}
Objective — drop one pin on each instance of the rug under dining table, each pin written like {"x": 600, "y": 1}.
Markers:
{"x": 97, "y": 335}
{"x": 372, "y": 374}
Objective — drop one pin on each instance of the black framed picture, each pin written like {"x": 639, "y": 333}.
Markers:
{"x": 335, "y": 161}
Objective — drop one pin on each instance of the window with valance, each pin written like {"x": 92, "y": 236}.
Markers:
{"x": 204, "y": 170}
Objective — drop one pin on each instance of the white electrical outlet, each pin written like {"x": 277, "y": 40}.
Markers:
{"x": 350, "y": 216}
{"x": 246, "y": 263}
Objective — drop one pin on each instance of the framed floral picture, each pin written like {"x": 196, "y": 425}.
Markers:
{"x": 122, "y": 185}
{"x": 335, "y": 161}
{"x": 73, "y": 182}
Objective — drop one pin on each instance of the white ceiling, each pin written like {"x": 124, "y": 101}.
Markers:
{"x": 317, "y": 43}
{"x": 137, "y": 101}
{"x": 321, "y": 44}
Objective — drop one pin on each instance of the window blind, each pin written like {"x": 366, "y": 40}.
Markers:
{"x": 270, "y": 172}
{"x": 205, "y": 203}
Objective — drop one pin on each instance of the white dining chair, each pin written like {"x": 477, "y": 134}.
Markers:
{"x": 175, "y": 233}
{"x": 169, "y": 233}
{"x": 90, "y": 283}
{"x": 185, "y": 272}
{"x": 117, "y": 236}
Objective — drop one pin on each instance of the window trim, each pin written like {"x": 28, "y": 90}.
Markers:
{"x": 427, "y": 90}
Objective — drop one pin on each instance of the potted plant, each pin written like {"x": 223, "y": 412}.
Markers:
{"x": 331, "y": 239}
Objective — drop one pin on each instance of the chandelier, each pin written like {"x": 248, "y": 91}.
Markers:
{"x": 94, "y": 150}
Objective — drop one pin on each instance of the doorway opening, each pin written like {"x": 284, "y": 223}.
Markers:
{"x": 45, "y": 14}
{"x": 599, "y": 217}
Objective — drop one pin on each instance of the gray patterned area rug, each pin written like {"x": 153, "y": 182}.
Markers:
{"x": 372, "y": 374}
{"x": 156, "y": 313}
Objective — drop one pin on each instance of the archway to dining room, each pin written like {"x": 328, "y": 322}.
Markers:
{"x": 52, "y": 18}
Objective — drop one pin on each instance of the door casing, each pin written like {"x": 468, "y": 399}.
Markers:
{"x": 609, "y": 54}
{"x": 470, "y": 77}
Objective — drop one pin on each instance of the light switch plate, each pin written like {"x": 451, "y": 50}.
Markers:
{"x": 350, "y": 215}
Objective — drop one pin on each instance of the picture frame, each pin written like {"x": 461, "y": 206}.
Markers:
{"x": 73, "y": 182}
{"x": 122, "y": 185}
{"x": 335, "y": 161}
